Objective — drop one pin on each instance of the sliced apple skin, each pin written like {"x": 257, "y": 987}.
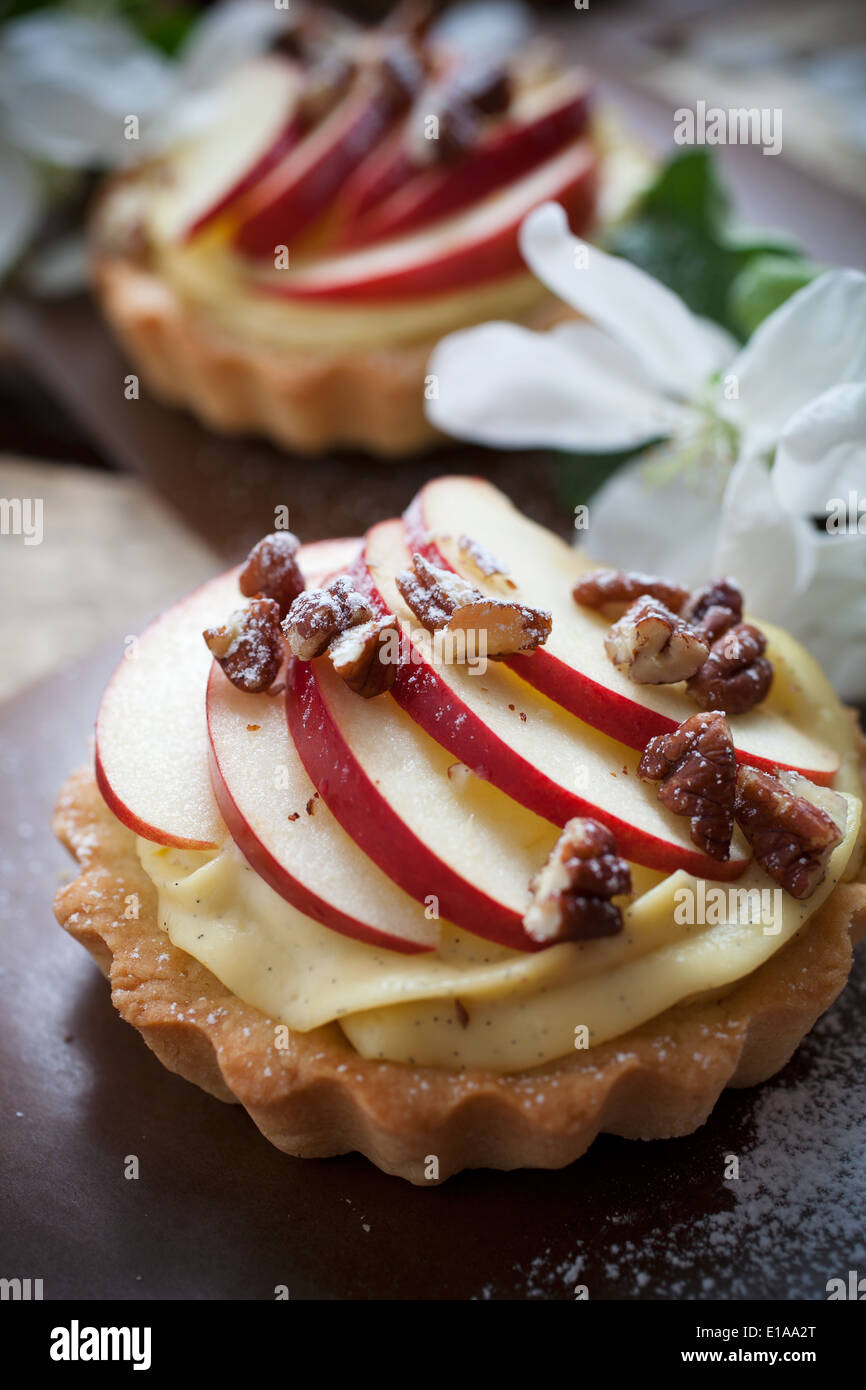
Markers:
{"x": 561, "y": 671}
{"x": 382, "y": 173}
{"x": 472, "y": 248}
{"x": 440, "y": 700}
{"x": 376, "y": 827}
{"x": 300, "y": 189}
{"x": 248, "y": 740}
{"x": 287, "y": 140}
{"x": 251, "y": 131}
{"x": 416, "y": 196}
{"x": 151, "y": 758}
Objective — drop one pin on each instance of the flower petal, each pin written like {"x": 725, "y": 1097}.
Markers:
{"x": 68, "y": 81}
{"x": 484, "y": 30}
{"x": 767, "y": 549}
{"x": 637, "y": 521}
{"x": 677, "y": 350}
{"x": 21, "y": 199}
{"x": 816, "y": 340}
{"x": 831, "y": 616}
{"x": 822, "y": 451}
{"x": 503, "y": 385}
{"x": 227, "y": 34}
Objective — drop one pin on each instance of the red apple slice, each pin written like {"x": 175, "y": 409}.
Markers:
{"x": 151, "y": 738}
{"x": 254, "y": 127}
{"x": 572, "y": 668}
{"x": 410, "y": 196}
{"x": 471, "y": 248}
{"x": 299, "y": 190}
{"x": 508, "y": 733}
{"x": 287, "y": 833}
{"x": 384, "y": 170}
{"x": 465, "y": 848}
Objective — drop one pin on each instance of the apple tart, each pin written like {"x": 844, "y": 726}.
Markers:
{"x": 447, "y": 847}
{"x": 357, "y": 194}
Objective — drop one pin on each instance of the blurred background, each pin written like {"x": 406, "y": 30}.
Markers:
{"x": 140, "y": 503}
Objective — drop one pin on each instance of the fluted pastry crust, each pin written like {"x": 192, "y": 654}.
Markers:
{"x": 319, "y": 1098}
{"x": 366, "y": 397}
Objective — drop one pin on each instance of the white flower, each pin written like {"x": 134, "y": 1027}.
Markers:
{"x": 68, "y": 83}
{"x": 763, "y": 445}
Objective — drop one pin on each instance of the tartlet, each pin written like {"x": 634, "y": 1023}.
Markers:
{"x": 289, "y": 270}
{"x": 262, "y": 900}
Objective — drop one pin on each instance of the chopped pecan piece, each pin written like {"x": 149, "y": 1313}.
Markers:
{"x": 736, "y": 675}
{"x": 714, "y": 609}
{"x": 571, "y": 894}
{"x": 791, "y": 838}
{"x": 652, "y": 646}
{"x": 366, "y": 657}
{"x": 508, "y": 627}
{"x": 719, "y": 593}
{"x": 319, "y": 615}
{"x": 488, "y": 87}
{"x": 249, "y": 647}
{"x": 612, "y": 592}
{"x": 715, "y": 623}
{"x": 441, "y": 599}
{"x": 697, "y": 768}
{"x": 484, "y": 561}
{"x": 458, "y": 130}
{"x": 433, "y": 593}
{"x": 272, "y": 570}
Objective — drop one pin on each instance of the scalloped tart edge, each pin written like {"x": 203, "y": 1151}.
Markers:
{"x": 319, "y": 1098}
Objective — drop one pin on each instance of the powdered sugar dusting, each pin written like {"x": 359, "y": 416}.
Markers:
{"x": 793, "y": 1219}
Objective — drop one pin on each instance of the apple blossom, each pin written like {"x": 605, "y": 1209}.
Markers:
{"x": 762, "y": 472}
{"x": 69, "y": 84}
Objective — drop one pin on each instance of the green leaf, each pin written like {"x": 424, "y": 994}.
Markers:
{"x": 684, "y": 258}
{"x": 163, "y": 23}
{"x": 688, "y": 190}
{"x": 764, "y": 283}
{"x": 684, "y": 233}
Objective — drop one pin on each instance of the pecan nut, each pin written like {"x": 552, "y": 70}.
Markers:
{"x": 272, "y": 570}
{"x": 715, "y": 623}
{"x": 366, "y": 657}
{"x": 736, "y": 675}
{"x": 571, "y": 893}
{"x": 488, "y": 565}
{"x": 319, "y": 615}
{"x": 441, "y": 599}
{"x": 696, "y": 767}
{"x": 458, "y": 128}
{"x": 791, "y": 838}
{"x": 488, "y": 87}
{"x": 719, "y": 593}
{"x": 249, "y": 647}
{"x": 507, "y": 627}
{"x": 612, "y": 592}
{"x": 433, "y": 593}
{"x": 652, "y": 646}
{"x": 714, "y": 608}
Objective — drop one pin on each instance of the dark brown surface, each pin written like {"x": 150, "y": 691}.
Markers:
{"x": 218, "y": 1213}
{"x": 227, "y": 489}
